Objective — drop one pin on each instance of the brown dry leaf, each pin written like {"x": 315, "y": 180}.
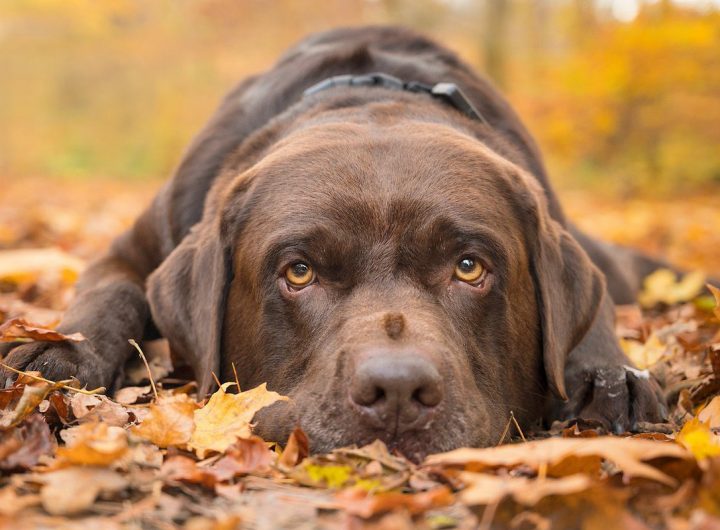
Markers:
{"x": 131, "y": 394}
{"x": 710, "y": 414}
{"x": 21, "y": 447}
{"x": 11, "y": 503}
{"x": 93, "y": 444}
{"x": 296, "y": 449}
{"x": 170, "y": 421}
{"x": 226, "y": 417}
{"x": 627, "y": 454}
{"x": 19, "y": 329}
{"x": 484, "y": 489}
{"x": 27, "y": 265}
{"x": 246, "y": 455}
{"x": 185, "y": 469}
{"x": 73, "y": 490}
{"x": 90, "y": 408}
{"x": 361, "y": 503}
{"x": 662, "y": 287}
{"x": 33, "y": 393}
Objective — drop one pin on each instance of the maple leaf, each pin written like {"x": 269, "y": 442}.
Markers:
{"x": 246, "y": 455}
{"x": 662, "y": 287}
{"x": 19, "y": 329}
{"x": 170, "y": 421}
{"x": 627, "y": 454}
{"x": 93, "y": 444}
{"x": 697, "y": 437}
{"x": 226, "y": 417}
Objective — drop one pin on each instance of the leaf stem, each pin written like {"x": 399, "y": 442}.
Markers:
{"x": 147, "y": 366}
{"x": 99, "y": 390}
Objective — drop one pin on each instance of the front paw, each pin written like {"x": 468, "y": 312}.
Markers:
{"x": 618, "y": 397}
{"x": 58, "y": 361}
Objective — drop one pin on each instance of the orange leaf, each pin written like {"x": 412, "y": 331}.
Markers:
{"x": 19, "y": 329}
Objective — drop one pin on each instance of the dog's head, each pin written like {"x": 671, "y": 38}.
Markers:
{"x": 397, "y": 280}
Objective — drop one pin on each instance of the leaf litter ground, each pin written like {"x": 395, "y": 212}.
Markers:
{"x": 154, "y": 456}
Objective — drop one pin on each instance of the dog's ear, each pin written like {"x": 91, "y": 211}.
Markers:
{"x": 569, "y": 290}
{"x": 187, "y": 295}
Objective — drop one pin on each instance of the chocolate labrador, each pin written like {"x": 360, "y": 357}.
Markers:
{"x": 368, "y": 227}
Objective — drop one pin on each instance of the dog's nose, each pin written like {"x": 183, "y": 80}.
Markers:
{"x": 396, "y": 391}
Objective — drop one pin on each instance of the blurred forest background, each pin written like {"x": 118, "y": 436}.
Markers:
{"x": 622, "y": 95}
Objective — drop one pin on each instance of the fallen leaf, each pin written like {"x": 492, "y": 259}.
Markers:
{"x": 131, "y": 394}
{"x": 11, "y": 503}
{"x": 73, "y": 490}
{"x": 96, "y": 408}
{"x": 697, "y": 438}
{"x": 246, "y": 455}
{"x": 484, "y": 489}
{"x": 33, "y": 393}
{"x": 21, "y": 447}
{"x": 710, "y": 414}
{"x": 27, "y": 265}
{"x": 716, "y": 293}
{"x": 644, "y": 355}
{"x": 93, "y": 444}
{"x": 185, "y": 469}
{"x": 18, "y": 329}
{"x": 627, "y": 454}
{"x": 296, "y": 449}
{"x": 169, "y": 422}
{"x": 363, "y": 504}
{"x": 662, "y": 287}
{"x": 226, "y": 417}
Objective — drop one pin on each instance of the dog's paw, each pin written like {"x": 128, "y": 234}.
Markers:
{"x": 619, "y": 397}
{"x": 57, "y": 361}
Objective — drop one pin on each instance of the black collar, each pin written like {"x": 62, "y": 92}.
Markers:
{"x": 447, "y": 92}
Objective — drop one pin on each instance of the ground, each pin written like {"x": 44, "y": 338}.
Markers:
{"x": 155, "y": 457}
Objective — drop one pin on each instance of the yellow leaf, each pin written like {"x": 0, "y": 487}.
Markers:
{"x": 661, "y": 287}
{"x": 716, "y": 293}
{"x": 169, "y": 422}
{"x": 226, "y": 417}
{"x": 644, "y": 355}
{"x": 697, "y": 437}
{"x": 27, "y": 265}
{"x": 93, "y": 444}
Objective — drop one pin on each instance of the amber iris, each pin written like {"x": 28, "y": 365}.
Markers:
{"x": 299, "y": 274}
{"x": 469, "y": 270}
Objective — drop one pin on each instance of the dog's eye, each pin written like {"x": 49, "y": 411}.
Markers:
{"x": 299, "y": 274}
{"x": 469, "y": 270}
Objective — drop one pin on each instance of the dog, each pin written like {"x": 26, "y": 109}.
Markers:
{"x": 369, "y": 228}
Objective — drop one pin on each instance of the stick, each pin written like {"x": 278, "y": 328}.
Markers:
{"x": 517, "y": 426}
{"x": 217, "y": 381}
{"x": 99, "y": 390}
{"x": 237, "y": 381}
{"x": 147, "y": 366}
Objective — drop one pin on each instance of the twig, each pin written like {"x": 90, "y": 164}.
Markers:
{"x": 217, "y": 381}
{"x": 147, "y": 366}
{"x": 99, "y": 390}
{"x": 488, "y": 516}
{"x": 237, "y": 381}
{"x": 505, "y": 431}
{"x": 517, "y": 426}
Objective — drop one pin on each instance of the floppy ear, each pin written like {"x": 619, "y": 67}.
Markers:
{"x": 187, "y": 295}
{"x": 569, "y": 290}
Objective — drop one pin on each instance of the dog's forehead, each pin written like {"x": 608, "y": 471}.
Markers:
{"x": 329, "y": 171}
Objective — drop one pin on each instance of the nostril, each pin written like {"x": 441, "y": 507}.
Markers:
{"x": 367, "y": 395}
{"x": 428, "y": 395}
